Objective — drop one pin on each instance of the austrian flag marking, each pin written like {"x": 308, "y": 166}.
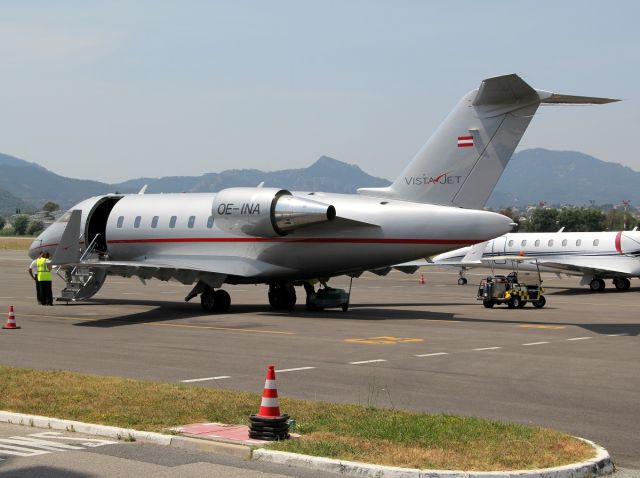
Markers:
{"x": 465, "y": 141}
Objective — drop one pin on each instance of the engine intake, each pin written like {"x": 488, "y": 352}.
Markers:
{"x": 267, "y": 211}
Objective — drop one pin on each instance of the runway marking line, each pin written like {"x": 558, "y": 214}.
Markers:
{"x": 367, "y": 361}
{"x": 580, "y": 338}
{"x": 384, "y": 340}
{"x": 211, "y": 327}
{"x": 534, "y": 326}
{"x": 537, "y": 343}
{"x": 487, "y": 348}
{"x": 432, "y": 355}
{"x": 191, "y": 380}
{"x": 294, "y": 369}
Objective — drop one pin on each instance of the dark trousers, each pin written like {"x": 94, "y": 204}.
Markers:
{"x": 45, "y": 290}
{"x": 38, "y": 291}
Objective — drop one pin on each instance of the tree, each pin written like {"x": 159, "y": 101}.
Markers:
{"x": 20, "y": 224}
{"x": 35, "y": 227}
{"x": 543, "y": 220}
{"x": 51, "y": 206}
{"x": 2, "y": 222}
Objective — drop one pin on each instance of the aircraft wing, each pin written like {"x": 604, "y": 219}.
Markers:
{"x": 177, "y": 267}
{"x": 585, "y": 265}
{"x": 594, "y": 265}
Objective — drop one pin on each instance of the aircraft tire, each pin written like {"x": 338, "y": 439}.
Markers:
{"x": 622, "y": 283}
{"x": 207, "y": 300}
{"x": 282, "y": 296}
{"x": 462, "y": 281}
{"x": 597, "y": 285}
{"x": 540, "y": 302}
{"x": 221, "y": 300}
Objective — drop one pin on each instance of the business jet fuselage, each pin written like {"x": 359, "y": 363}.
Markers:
{"x": 594, "y": 256}
{"x": 282, "y": 238}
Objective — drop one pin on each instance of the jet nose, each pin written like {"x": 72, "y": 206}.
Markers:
{"x": 36, "y": 247}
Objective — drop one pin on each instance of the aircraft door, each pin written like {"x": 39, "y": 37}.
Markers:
{"x": 499, "y": 248}
{"x": 97, "y": 223}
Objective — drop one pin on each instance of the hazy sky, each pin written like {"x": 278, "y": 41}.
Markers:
{"x": 111, "y": 90}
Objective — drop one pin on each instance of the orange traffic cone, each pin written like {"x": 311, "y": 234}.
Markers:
{"x": 269, "y": 407}
{"x": 268, "y": 423}
{"x": 422, "y": 278}
{"x": 11, "y": 320}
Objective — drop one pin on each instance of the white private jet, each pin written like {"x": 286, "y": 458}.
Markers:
{"x": 273, "y": 236}
{"x": 594, "y": 256}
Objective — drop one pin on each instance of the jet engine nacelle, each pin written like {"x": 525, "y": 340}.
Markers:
{"x": 267, "y": 211}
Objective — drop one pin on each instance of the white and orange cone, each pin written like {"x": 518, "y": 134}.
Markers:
{"x": 269, "y": 407}
{"x": 11, "y": 320}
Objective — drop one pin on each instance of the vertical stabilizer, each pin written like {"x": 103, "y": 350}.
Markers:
{"x": 463, "y": 160}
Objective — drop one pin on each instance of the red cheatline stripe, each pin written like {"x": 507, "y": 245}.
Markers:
{"x": 313, "y": 240}
{"x": 465, "y": 137}
{"x": 465, "y": 145}
{"x": 618, "y": 242}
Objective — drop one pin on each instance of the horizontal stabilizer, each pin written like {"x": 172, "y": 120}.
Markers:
{"x": 576, "y": 100}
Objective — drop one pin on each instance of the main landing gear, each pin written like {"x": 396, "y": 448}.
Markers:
{"x": 210, "y": 299}
{"x": 620, "y": 283}
{"x": 462, "y": 280}
{"x": 215, "y": 300}
{"x": 282, "y": 295}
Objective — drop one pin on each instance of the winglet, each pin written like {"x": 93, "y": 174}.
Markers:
{"x": 68, "y": 251}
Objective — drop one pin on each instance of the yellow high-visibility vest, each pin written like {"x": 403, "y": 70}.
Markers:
{"x": 44, "y": 274}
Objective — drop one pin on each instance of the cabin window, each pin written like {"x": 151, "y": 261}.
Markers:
{"x": 191, "y": 222}
{"x": 154, "y": 222}
{"x": 210, "y": 222}
{"x": 136, "y": 222}
{"x": 596, "y": 242}
{"x": 537, "y": 243}
{"x": 523, "y": 243}
{"x": 172, "y": 221}
{"x": 579, "y": 242}
{"x": 550, "y": 243}
{"x": 120, "y": 222}
{"x": 564, "y": 243}
{"x": 511, "y": 243}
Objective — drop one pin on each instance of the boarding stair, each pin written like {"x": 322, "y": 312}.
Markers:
{"x": 82, "y": 280}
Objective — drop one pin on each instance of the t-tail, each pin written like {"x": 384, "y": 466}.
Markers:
{"x": 463, "y": 160}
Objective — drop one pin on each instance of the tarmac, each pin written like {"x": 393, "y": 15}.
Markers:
{"x": 573, "y": 365}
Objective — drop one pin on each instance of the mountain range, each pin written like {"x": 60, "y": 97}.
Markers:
{"x": 533, "y": 175}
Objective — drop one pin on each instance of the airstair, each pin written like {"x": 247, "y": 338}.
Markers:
{"x": 82, "y": 280}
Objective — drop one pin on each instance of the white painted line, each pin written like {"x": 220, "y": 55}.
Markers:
{"x": 367, "y": 361}
{"x": 7, "y": 297}
{"x": 580, "y": 338}
{"x": 205, "y": 379}
{"x": 294, "y": 369}
{"x": 610, "y": 335}
{"x": 487, "y": 348}
{"x": 536, "y": 343}
{"x": 433, "y": 355}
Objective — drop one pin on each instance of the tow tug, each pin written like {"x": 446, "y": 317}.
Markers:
{"x": 500, "y": 289}
{"x": 328, "y": 297}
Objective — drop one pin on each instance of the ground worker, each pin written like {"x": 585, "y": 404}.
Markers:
{"x": 43, "y": 264}
{"x": 33, "y": 272}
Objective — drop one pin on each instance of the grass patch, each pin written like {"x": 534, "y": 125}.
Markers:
{"x": 15, "y": 243}
{"x": 351, "y": 432}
